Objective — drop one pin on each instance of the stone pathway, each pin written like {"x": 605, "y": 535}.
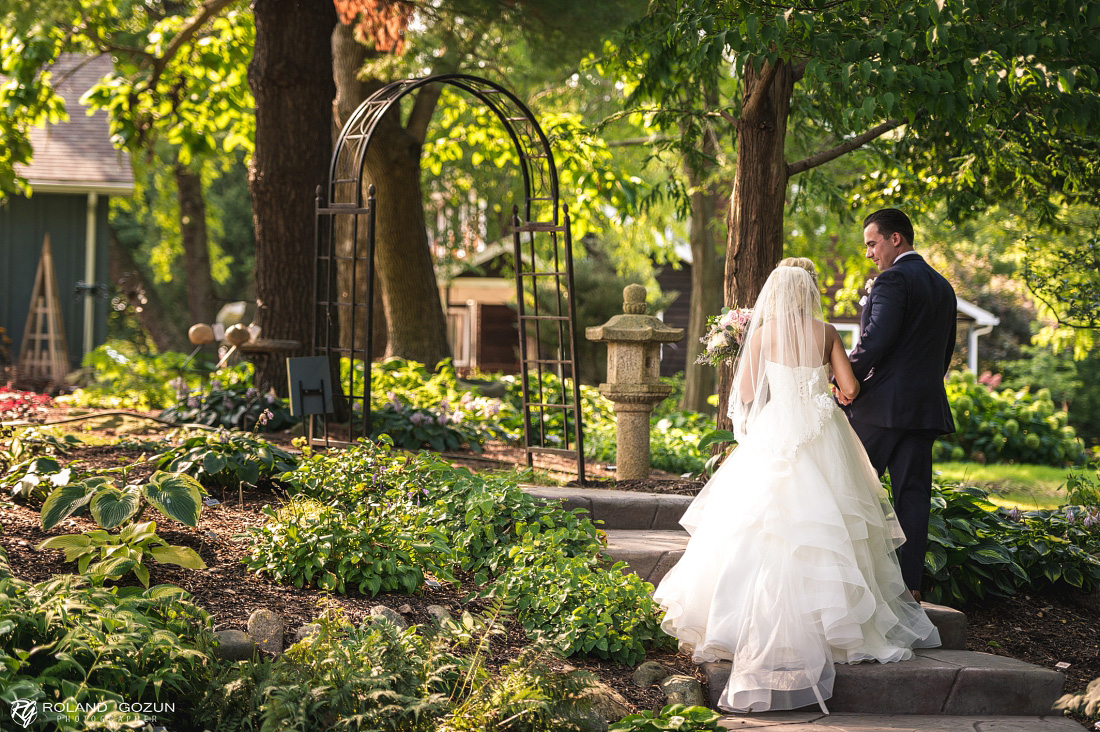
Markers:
{"x": 945, "y": 689}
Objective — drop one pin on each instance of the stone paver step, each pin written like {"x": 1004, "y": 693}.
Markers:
{"x": 817, "y": 722}
{"x": 936, "y": 682}
{"x": 650, "y": 553}
{"x": 618, "y": 509}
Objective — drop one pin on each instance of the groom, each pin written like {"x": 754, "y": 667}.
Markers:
{"x": 907, "y": 336}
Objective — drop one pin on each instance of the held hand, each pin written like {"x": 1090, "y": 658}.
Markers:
{"x": 839, "y": 396}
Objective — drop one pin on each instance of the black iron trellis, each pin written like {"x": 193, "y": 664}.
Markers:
{"x": 543, "y": 297}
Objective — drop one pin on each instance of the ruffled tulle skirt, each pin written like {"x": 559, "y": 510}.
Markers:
{"x": 791, "y": 568}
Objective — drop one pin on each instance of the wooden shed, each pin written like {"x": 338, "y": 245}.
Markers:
{"x": 75, "y": 170}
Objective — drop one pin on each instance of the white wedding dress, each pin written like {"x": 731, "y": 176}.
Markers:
{"x": 791, "y": 565}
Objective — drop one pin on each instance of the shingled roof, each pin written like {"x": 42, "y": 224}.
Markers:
{"x": 77, "y": 156}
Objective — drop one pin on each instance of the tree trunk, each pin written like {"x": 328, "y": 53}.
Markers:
{"x": 706, "y": 275}
{"x": 196, "y": 248}
{"x": 754, "y": 240}
{"x": 348, "y": 57}
{"x": 291, "y": 80}
{"x": 150, "y": 312}
{"x": 403, "y": 260}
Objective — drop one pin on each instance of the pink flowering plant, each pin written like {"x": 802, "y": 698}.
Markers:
{"x": 725, "y": 336}
{"x": 26, "y": 406}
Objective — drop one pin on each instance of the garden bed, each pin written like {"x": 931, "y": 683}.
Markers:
{"x": 1046, "y": 629}
{"x": 230, "y": 592}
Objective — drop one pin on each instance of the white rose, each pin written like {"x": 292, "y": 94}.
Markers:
{"x": 718, "y": 340}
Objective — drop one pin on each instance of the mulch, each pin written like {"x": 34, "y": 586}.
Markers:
{"x": 1049, "y": 629}
{"x": 231, "y": 593}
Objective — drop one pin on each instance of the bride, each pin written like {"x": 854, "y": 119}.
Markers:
{"x": 791, "y": 565}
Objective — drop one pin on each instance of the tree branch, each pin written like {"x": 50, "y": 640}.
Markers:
{"x": 631, "y": 141}
{"x": 845, "y": 147}
{"x": 756, "y": 96}
{"x": 209, "y": 9}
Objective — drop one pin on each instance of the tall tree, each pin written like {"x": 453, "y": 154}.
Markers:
{"x": 174, "y": 81}
{"x": 455, "y": 36}
{"x": 291, "y": 79}
{"x": 981, "y": 98}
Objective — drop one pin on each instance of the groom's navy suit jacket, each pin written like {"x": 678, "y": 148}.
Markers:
{"x": 908, "y": 335}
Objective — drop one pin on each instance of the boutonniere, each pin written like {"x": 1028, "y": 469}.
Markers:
{"x": 867, "y": 288}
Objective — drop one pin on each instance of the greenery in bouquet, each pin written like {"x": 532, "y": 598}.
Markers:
{"x": 724, "y": 336}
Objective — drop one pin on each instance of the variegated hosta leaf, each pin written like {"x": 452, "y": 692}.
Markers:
{"x": 183, "y": 556}
{"x": 113, "y": 568}
{"x": 175, "y": 495}
{"x": 138, "y": 533}
{"x": 112, "y": 507}
{"x": 64, "y": 502}
{"x": 68, "y": 541}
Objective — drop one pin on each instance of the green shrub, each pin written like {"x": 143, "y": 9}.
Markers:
{"x": 1083, "y": 489}
{"x": 579, "y": 603}
{"x": 63, "y": 641}
{"x": 231, "y": 401}
{"x": 123, "y": 377}
{"x": 1010, "y": 426}
{"x": 373, "y": 677}
{"x": 175, "y": 495}
{"x": 28, "y": 459}
{"x": 976, "y": 549}
{"x": 673, "y": 717}
{"x": 382, "y": 518}
{"x": 376, "y": 677}
{"x": 378, "y": 546}
{"x": 223, "y": 458}
{"x": 121, "y": 553}
{"x": 482, "y": 516}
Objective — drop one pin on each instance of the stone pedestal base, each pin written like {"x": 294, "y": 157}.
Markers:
{"x": 632, "y": 449}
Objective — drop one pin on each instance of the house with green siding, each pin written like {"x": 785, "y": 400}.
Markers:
{"x": 74, "y": 172}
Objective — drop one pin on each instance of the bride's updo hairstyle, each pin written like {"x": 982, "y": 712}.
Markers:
{"x": 790, "y": 292}
{"x": 803, "y": 262}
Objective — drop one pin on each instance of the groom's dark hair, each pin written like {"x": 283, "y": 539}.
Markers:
{"x": 891, "y": 221}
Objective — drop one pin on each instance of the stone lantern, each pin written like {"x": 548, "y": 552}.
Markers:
{"x": 633, "y": 376}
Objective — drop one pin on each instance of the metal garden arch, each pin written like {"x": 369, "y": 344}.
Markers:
{"x": 552, "y": 415}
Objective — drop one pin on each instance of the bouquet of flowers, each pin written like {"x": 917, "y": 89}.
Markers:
{"x": 725, "y": 335}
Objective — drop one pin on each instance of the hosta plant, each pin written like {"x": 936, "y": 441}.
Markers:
{"x": 89, "y": 646}
{"x": 175, "y": 495}
{"x": 223, "y": 458}
{"x": 121, "y": 553}
{"x": 35, "y": 478}
{"x": 976, "y": 549}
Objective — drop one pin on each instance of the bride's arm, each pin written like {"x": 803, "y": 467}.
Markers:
{"x": 843, "y": 375}
{"x": 749, "y": 375}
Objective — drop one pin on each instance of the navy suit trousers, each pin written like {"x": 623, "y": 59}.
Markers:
{"x": 907, "y": 454}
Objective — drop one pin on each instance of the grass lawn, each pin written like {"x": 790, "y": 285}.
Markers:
{"x": 1025, "y": 486}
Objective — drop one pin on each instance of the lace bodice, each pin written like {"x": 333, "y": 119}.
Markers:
{"x": 799, "y": 402}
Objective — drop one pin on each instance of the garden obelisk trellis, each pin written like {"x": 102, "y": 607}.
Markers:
{"x": 543, "y": 262}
